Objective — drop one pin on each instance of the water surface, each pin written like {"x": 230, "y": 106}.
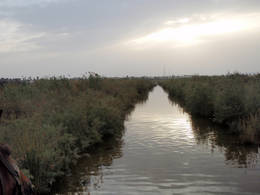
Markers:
{"x": 165, "y": 151}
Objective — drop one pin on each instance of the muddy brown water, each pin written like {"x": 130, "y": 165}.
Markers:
{"x": 166, "y": 151}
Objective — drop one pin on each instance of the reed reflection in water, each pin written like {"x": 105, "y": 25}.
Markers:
{"x": 165, "y": 151}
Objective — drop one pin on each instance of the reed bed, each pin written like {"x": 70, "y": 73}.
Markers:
{"x": 232, "y": 100}
{"x": 50, "y": 122}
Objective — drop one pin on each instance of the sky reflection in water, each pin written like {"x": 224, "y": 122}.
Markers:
{"x": 165, "y": 151}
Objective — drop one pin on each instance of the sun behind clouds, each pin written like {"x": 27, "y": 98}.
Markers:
{"x": 197, "y": 29}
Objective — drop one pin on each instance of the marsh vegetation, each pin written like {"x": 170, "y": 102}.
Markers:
{"x": 165, "y": 150}
{"x": 231, "y": 100}
{"x": 49, "y": 122}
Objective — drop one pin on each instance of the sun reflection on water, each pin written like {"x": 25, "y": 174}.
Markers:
{"x": 166, "y": 151}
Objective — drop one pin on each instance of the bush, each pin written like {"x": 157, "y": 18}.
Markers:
{"x": 229, "y": 104}
{"x": 250, "y": 129}
{"x": 199, "y": 101}
{"x": 40, "y": 148}
{"x": 232, "y": 100}
{"x": 50, "y": 122}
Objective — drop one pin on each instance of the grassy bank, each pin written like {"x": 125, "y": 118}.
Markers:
{"x": 49, "y": 122}
{"x": 232, "y": 100}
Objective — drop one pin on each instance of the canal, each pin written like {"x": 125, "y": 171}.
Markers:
{"x": 166, "y": 151}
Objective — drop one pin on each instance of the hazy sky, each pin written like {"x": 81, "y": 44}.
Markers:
{"x": 128, "y": 37}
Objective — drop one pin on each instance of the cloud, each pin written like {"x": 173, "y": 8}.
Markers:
{"x": 178, "y": 21}
{"x": 14, "y": 37}
{"x": 197, "y": 29}
{"x": 20, "y": 37}
{"x": 40, "y": 37}
{"x": 24, "y": 3}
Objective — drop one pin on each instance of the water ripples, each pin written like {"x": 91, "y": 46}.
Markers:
{"x": 165, "y": 151}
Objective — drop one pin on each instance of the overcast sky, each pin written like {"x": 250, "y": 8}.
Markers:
{"x": 128, "y": 37}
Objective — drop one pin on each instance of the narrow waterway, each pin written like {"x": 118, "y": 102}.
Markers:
{"x": 165, "y": 151}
